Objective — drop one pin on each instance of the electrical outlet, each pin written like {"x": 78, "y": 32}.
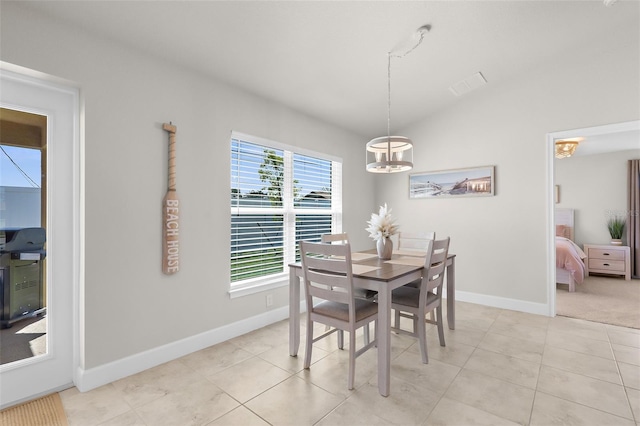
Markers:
{"x": 269, "y": 300}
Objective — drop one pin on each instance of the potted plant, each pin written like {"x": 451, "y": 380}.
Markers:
{"x": 616, "y": 227}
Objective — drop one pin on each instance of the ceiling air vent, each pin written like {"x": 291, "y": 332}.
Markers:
{"x": 468, "y": 84}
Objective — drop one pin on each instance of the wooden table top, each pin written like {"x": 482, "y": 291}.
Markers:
{"x": 381, "y": 270}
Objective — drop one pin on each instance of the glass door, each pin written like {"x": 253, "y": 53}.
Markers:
{"x": 39, "y": 234}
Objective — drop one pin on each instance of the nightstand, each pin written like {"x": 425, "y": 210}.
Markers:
{"x": 611, "y": 260}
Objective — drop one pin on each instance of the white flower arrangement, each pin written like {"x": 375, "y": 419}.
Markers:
{"x": 382, "y": 224}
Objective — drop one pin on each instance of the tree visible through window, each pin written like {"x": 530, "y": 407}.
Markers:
{"x": 278, "y": 197}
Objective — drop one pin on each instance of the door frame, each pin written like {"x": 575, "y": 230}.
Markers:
{"x": 35, "y": 92}
{"x": 550, "y": 151}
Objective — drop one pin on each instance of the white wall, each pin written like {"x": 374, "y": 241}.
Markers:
{"x": 501, "y": 241}
{"x": 595, "y": 186}
{"x": 129, "y": 305}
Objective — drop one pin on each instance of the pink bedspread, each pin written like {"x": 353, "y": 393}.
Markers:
{"x": 570, "y": 257}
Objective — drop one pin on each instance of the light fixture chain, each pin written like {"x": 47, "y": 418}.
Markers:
{"x": 389, "y": 97}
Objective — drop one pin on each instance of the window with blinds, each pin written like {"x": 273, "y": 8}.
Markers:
{"x": 279, "y": 196}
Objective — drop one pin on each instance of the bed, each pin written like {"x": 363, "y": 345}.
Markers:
{"x": 570, "y": 268}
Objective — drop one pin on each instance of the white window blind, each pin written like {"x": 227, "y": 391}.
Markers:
{"x": 279, "y": 196}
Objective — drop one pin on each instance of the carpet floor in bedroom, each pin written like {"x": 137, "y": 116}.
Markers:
{"x": 608, "y": 300}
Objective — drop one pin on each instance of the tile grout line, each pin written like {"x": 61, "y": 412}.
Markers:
{"x": 624, "y": 388}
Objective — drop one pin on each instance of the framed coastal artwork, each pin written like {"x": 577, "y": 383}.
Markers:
{"x": 471, "y": 182}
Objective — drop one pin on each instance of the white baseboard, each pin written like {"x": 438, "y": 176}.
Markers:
{"x": 92, "y": 378}
{"x": 503, "y": 303}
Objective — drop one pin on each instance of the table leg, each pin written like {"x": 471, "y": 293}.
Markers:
{"x": 384, "y": 341}
{"x": 294, "y": 312}
{"x": 451, "y": 294}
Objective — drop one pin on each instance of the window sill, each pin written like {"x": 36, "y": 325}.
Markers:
{"x": 263, "y": 284}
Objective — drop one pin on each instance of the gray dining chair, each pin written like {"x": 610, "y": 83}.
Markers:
{"x": 359, "y": 293}
{"x": 339, "y": 238}
{"x": 415, "y": 303}
{"x": 328, "y": 278}
{"x": 416, "y": 242}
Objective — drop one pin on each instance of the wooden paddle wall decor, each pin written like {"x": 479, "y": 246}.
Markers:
{"x": 171, "y": 212}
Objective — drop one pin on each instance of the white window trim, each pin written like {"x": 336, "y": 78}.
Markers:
{"x": 260, "y": 284}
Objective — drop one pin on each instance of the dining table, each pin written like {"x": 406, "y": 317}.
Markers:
{"x": 382, "y": 276}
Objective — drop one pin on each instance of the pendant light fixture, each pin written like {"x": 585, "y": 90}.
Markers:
{"x": 391, "y": 154}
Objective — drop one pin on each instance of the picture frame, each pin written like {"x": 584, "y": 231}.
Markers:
{"x": 454, "y": 183}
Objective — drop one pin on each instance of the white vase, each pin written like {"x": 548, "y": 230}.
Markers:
{"x": 385, "y": 248}
{"x": 616, "y": 242}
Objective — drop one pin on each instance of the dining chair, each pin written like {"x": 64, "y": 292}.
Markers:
{"x": 340, "y": 238}
{"x": 415, "y": 303}
{"x": 415, "y": 241}
{"x": 359, "y": 293}
{"x": 328, "y": 277}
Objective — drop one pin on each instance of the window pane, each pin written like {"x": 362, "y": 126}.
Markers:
{"x": 256, "y": 246}
{"x": 311, "y": 182}
{"x": 257, "y": 175}
{"x": 20, "y": 192}
{"x": 310, "y": 228}
{"x": 270, "y": 185}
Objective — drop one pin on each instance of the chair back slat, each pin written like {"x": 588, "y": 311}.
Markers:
{"x": 328, "y": 293}
{"x": 341, "y": 238}
{"x": 333, "y": 264}
{"x": 415, "y": 240}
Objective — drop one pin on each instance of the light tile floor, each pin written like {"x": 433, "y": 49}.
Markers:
{"x": 499, "y": 367}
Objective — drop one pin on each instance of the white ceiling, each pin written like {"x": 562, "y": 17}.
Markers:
{"x": 328, "y": 59}
{"x": 608, "y": 142}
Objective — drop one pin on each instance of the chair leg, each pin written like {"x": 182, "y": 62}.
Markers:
{"x": 367, "y": 338}
{"x": 309, "y": 344}
{"x": 422, "y": 338}
{"x": 440, "y": 326}
{"x": 352, "y": 358}
{"x": 340, "y": 339}
{"x": 375, "y": 332}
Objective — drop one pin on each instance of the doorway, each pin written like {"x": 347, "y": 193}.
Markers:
{"x": 29, "y": 95}
{"x": 597, "y": 142}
